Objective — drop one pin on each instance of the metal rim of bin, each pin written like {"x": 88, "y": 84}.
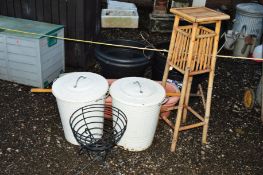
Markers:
{"x": 86, "y": 125}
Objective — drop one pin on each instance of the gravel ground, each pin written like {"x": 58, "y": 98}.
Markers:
{"x": 32, "y": 139}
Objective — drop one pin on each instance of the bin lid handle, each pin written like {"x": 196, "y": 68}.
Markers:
{"x": 80, "y": 77}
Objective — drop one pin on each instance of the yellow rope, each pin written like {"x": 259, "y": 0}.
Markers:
{"x": 117, "y": 45}
{"x": 240, "y": 58}
{"x": 84, "y": 41}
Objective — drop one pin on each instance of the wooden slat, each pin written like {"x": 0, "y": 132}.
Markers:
{"x": 3, "y": 7}
{"x": 191, "y": 126}
{"x": 172, "y": 56}
{"x": 93, "y": 21}
{"x": 71, "y": 18}
{"x": 55, "y": 11}
{"x": 206, "y": 35}
{"x": 178, "y": 68}
{"x": 177, "y": 46}
{"x": 198, "y": 55}
{"x": 210, "y": 50}
{"x": 199, "y": 72}
{"x": 40, "y": 10}
{"x": 195, "y": 113}
{"x": 206, "y": 52}
{"x": 47, "y": 10}
{"x": 71, "y": 10}
{"x": 209, "y": 42}
{"x": 202, "y": 57}
{"x": 168, "y": 122}
{"x": 88, "y": 20}
{"x": 80, "y": 33}
{"x": 98, "y": 18}
{"x": 206, "y": 29}
{"x": 186, "y": 49}
{"x": 18, "y": 9}
{"x": 80, "y": 20}
{"x": 195, "y": 52}
{"x": 63, "y": 20}
{"x": 182, "y": 52}
{"x": 32, "y": 6}
{"x": 179, "y": 55}
{"x": 24, "y": 9}
{"x": 202, "y": 53}
{"x": 182, "y": 32}
{"x": 95, "y": 28}
{"x": 10, "y": 8}
{"x": 29, "y": 9}
{"x": 63, "y": 14}
{"x": 185, "y": 27}
{"x": 202, "y": 48}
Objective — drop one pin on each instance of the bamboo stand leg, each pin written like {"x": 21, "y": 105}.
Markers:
{"x": 179, "y": 112}
{"x": 185, "y": 83}
{"x": 187, "y": 96}
{"x": 166, "y": 71}
{"x": 210, "y": 83}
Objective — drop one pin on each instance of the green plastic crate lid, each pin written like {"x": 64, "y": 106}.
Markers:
{"x": 27, "y": 26}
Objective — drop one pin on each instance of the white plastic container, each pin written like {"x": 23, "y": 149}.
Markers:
{"x": 121, "y": 5}
{"x": 198, "y": 3}
{"x": 140, "y": 99}
{"x": 113, "y": 18}
{"x": 76, "y": 90}
{"x": 31, "y": 59}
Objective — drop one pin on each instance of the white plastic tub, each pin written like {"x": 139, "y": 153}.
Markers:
{"x": 113, "y": 18}
{"x": 76, "y": 90}
{"x": 140, "y": 99}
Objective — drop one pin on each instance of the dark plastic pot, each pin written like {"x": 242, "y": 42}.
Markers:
{"x": 119, "y": 62}
{"x": 158, "y": 65}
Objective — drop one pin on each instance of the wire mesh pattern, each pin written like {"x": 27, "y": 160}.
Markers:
{"x": 93, "y": 131}
{"x": 202, "y": 52}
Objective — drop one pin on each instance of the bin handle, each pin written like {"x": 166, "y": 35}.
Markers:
{"x": 244, "y": 30}
{"x": 165, "y": 100}
{"x": 80, "y": 77}
{"x": 104, "y": 97}
{"x": 140, "y": 86}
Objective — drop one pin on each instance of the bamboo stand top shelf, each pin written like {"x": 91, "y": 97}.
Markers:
{"x": 199, "y": 14}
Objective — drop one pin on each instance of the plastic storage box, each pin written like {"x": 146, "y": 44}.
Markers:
{"x": 30, "y": 59}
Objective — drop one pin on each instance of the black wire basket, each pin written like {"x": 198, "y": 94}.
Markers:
{"x": 98, "y": 127}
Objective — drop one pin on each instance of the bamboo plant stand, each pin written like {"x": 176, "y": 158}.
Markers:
{"x": 192, "y": 51}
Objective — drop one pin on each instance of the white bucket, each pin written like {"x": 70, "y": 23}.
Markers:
{"x": 76, "y": 90}
{"x": 140, "y": 99}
